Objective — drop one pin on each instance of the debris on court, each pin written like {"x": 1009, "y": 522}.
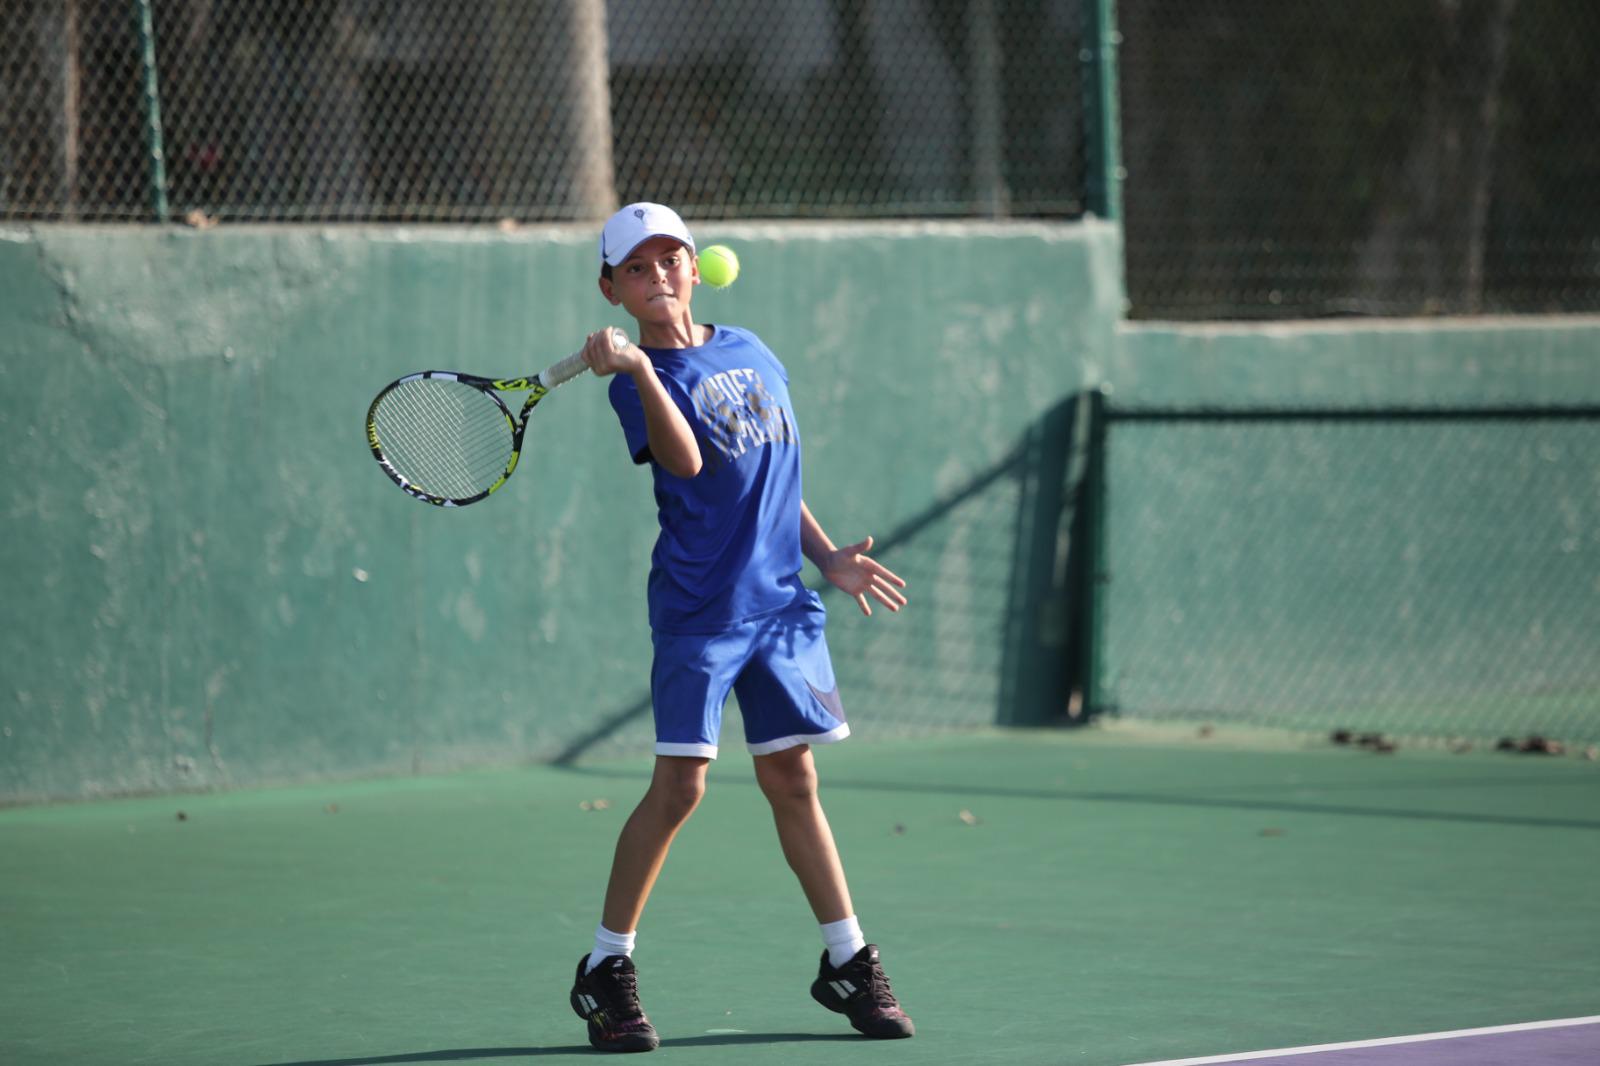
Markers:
{"x": 1533, "y": 744}
{"x": 1373, "y": 742}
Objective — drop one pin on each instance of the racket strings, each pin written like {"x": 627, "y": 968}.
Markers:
{"x": 445, "y": 438}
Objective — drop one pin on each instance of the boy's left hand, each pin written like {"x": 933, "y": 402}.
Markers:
{"x": 852, "y": 570}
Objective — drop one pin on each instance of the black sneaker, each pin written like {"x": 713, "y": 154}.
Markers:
{"x": 860, "y": 990}
{"x": 608, "y": 999}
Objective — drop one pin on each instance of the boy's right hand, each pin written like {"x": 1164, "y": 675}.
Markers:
{"x": 604, "y": 358}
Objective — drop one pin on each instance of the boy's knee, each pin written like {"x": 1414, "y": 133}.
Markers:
{"x": 678, "y": 793}
{"x": 786, "y": 777}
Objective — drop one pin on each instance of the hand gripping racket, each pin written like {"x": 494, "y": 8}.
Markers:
{"x": 448, "y": 439}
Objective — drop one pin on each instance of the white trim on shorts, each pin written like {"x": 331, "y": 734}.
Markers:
{"x": 699, "y": 751}
{"x": 769, "y": 747}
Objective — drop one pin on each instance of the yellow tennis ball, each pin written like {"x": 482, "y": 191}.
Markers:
{"x": 719, "y": 267}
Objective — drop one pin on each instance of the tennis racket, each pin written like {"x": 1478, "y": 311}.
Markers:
{"x": 449, "y": 439}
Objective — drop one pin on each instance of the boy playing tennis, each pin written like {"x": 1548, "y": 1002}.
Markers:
{"x": 707, "y": 406}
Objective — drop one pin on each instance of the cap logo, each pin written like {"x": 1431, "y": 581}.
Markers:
{"x": 638, "y": 213}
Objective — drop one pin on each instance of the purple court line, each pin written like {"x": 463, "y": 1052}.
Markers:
{"x": 1563, "y": 1042}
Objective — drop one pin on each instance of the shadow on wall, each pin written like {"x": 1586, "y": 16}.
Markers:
{"x": 997, "y": 632}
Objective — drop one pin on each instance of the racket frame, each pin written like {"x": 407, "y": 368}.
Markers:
{"x": 538, "y": 386}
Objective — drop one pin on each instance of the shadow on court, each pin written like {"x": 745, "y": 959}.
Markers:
{"x": 465, "y": 1054}
{"x": 471, "y": 1053}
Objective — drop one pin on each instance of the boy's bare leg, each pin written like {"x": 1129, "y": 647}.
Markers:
{"x": 605, "y": 991}
{"x": 857, "y": 988}
{"x": 789, "y": 781}
{"x": 674, "y": 792}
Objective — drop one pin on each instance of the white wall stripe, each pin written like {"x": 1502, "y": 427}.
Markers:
{"x": 1246, "y": 1056}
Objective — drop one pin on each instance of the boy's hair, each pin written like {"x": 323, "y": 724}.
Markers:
{"x": 605, "y": 271}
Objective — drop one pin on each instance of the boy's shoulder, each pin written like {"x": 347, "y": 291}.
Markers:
{"x": 733, "y": 332}
{"x": 725, "y": 336}
{"x": 728, "y": 345}
{"x": 725, "y": 341}
{"x": 739, "y": 336}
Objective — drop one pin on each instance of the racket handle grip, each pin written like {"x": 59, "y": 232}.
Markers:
{"x": 573, "y": 365}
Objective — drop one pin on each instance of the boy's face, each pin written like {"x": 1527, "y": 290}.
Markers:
{"x": 655, "y": 282}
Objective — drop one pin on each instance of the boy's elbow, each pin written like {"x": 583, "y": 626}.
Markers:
{"x": 685, "y": 463}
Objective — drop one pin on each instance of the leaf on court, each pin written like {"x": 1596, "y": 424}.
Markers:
{"x": 1376, "y": 743}
{"x": 970, "y": 818}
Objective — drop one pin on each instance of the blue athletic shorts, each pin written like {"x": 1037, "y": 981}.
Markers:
{"x": 777, "y": 666}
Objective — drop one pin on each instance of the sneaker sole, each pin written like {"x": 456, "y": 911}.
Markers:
{"x": 897, "y": 1034}
{"x": 629, "y": 1042}
{"x": 624, "y": 1044}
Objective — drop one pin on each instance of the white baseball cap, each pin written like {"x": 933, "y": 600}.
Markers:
{"x": 637, "y": 223}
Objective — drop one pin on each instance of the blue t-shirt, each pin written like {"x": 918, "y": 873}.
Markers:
{"x": 729, "y": 548}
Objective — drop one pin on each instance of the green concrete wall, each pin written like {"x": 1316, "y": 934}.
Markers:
{"x": 207, "y": 581}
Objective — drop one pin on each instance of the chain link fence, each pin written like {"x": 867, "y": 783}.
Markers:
{"x": 482, "y": 110}
{"x": 1427, "y": 574}
{"x": 1282, "y": 160}
{"x": 1365, "y": 157}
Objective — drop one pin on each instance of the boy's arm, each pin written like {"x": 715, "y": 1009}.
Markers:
{"x": 849, "y": 567}
{"x": 672, "y": 442}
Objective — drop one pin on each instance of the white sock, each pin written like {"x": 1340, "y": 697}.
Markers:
{"x": 607, "y": 943}
{"x": 844, "y": 939}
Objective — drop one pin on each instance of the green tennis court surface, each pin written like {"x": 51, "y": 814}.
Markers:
{"x": 1101, "y": 897}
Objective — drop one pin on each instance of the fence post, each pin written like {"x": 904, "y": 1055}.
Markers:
{"x": 152, "y": 111}
{"x": 988, "y": 113}
{"x": 1091, "y": 600}
{"x": 590, "y": 70}
{"x": 1101, "y": 115}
